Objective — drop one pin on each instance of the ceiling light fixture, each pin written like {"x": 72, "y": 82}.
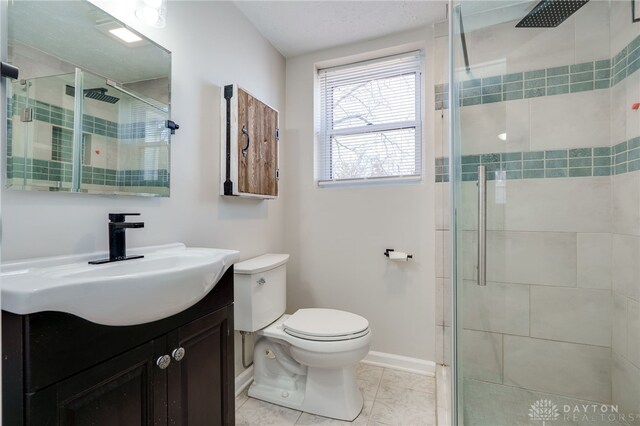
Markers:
{"x": 152, "y": 12}
{"x": 125, "y": 35}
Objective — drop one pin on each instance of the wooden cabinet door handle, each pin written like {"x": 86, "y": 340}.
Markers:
{"x": 245, "y": 150}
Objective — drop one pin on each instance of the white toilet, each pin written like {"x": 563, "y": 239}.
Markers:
{"x": 305, "y": 361}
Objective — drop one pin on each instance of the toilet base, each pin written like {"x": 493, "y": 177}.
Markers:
{"x": 281, "y": 380}
{"x": 330, "y": 393}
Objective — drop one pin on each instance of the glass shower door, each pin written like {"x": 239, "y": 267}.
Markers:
{"x": 545, "y": 176}
{"x": 40, "y": 132}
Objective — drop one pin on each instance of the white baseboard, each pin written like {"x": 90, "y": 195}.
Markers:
{"x": 243, "y": 380}
{"x": 399, "y": 362}
{"x": 380, "y": 359}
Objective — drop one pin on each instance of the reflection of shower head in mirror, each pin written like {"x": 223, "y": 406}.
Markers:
{"x": 550, "y": 13}
{"x": 98, "y": 94}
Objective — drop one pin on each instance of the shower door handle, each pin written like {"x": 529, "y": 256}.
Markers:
{"x": 482, "y": 226}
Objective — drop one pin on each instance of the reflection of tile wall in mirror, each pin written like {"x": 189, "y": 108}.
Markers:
{"x": 107, "y": 166}
{"x": 115, "y": 125}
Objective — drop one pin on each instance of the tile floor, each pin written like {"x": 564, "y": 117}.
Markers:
{"x": 391, "y": 397}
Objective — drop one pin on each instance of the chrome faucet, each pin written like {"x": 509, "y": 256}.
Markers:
{"x": 117, "y": 240}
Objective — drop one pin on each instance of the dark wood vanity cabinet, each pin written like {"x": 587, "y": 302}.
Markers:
{"x": 59, "y": 369}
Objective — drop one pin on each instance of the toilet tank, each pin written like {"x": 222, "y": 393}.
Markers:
{"x": 260, "y": 291}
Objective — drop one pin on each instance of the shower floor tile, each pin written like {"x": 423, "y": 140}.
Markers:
{"x": 392, "y": 397}
{"x": 488, "y": 404}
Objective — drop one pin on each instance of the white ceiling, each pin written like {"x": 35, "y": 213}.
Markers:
{"x": 297, "y": 27}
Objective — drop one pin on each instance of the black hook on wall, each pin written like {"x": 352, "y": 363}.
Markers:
{"x": 172, "y": 125}
{"x": 9, "y": 71}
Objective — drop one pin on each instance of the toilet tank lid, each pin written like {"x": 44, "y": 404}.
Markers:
{"x": 259, "y": 264}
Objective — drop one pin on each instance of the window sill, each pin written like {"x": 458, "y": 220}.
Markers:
{"x": 370, "y": 181}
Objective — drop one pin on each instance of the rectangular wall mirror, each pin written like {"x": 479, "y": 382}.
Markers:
{"x": 111, "y": 140}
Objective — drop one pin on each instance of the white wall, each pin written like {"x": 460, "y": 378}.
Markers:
{"x": 337, "y": 236}
{"x": 212, "y": 44}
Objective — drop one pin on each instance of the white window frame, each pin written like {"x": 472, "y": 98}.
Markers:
{"x": 323, "y": 161}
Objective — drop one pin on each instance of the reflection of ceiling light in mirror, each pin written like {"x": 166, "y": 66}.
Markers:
{"x": 152, "y": 12}
{"x": 124, "y": 34}
{"x": 119, "y": 32}
{"x": 502, "y": 136}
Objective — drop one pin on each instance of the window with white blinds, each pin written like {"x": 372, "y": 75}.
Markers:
{"x": 370, "y": 125}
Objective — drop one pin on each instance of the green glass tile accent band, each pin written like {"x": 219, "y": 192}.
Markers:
{"x": 623, "y": 157}
{"x": 62, "y": 117}
{"x": 60, "y": 171}
{"x": 574, "y": 78}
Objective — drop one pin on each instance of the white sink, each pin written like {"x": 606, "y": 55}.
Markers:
{"x": 168, "y": 280}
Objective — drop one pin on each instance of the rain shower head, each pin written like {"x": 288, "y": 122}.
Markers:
{"x": 99, "y": 94}
{"x": 550, "y": 13}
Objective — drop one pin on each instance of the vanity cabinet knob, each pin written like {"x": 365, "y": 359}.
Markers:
{"x": 163, "y": 361}
{"x": 178, "y": 354}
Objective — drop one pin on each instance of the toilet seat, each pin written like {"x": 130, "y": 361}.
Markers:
{"x": 325, "y": 325}
{"x": 276, "y": 331}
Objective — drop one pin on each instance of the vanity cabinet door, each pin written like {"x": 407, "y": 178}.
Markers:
{"x": 201, "y": 383}
{"x": 128, "y": 390}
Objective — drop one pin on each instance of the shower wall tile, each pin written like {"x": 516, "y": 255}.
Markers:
{"x": 443, "y": 301}
{"x": 580, "y": 371}
{"x": 592, "y": 32}
{"x": 509, "y": 256}
{"x": 594, "y": 261}
{"x": 446, "y": 286}
{"x": 632, "y": 90}
{"x": 497, "y": 307}
{"x": 443, "y": 345}
{"x": 571, "y": 315}
{"x": 625, "y": 378}
{"x": 439, "y": 301}
{"x": 618, "y": 116}
{"x": 440, "y": 131}
{"x": 573, "y": 162}
{"x": 625, "y": 266}
{"x": 559, "y": 205}
{"x": 481, "y": 125}
{"x": 447, "y": 345}
{"x": 443, "y": 257}
{"x": 544, "y": 205}
{"x": 41, "y": 147}
{"x": 633, "y": 332}
{"x": 482, "y": 355}
{"x": 619, "y": 336}
{"x": 442, "y": 206}
{"x": 574, "y": 120}
{"x": 626, "y": 203}
{"x": 439, "y": 344}
{"x": 534, "y": 49}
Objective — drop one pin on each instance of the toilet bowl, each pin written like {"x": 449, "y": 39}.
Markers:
{"x": 305, "y": 361}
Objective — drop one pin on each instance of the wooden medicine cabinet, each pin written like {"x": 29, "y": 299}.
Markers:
{"x": 249, "y": 148}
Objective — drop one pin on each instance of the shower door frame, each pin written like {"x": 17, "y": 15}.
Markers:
{"x": 453, "y": 228}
